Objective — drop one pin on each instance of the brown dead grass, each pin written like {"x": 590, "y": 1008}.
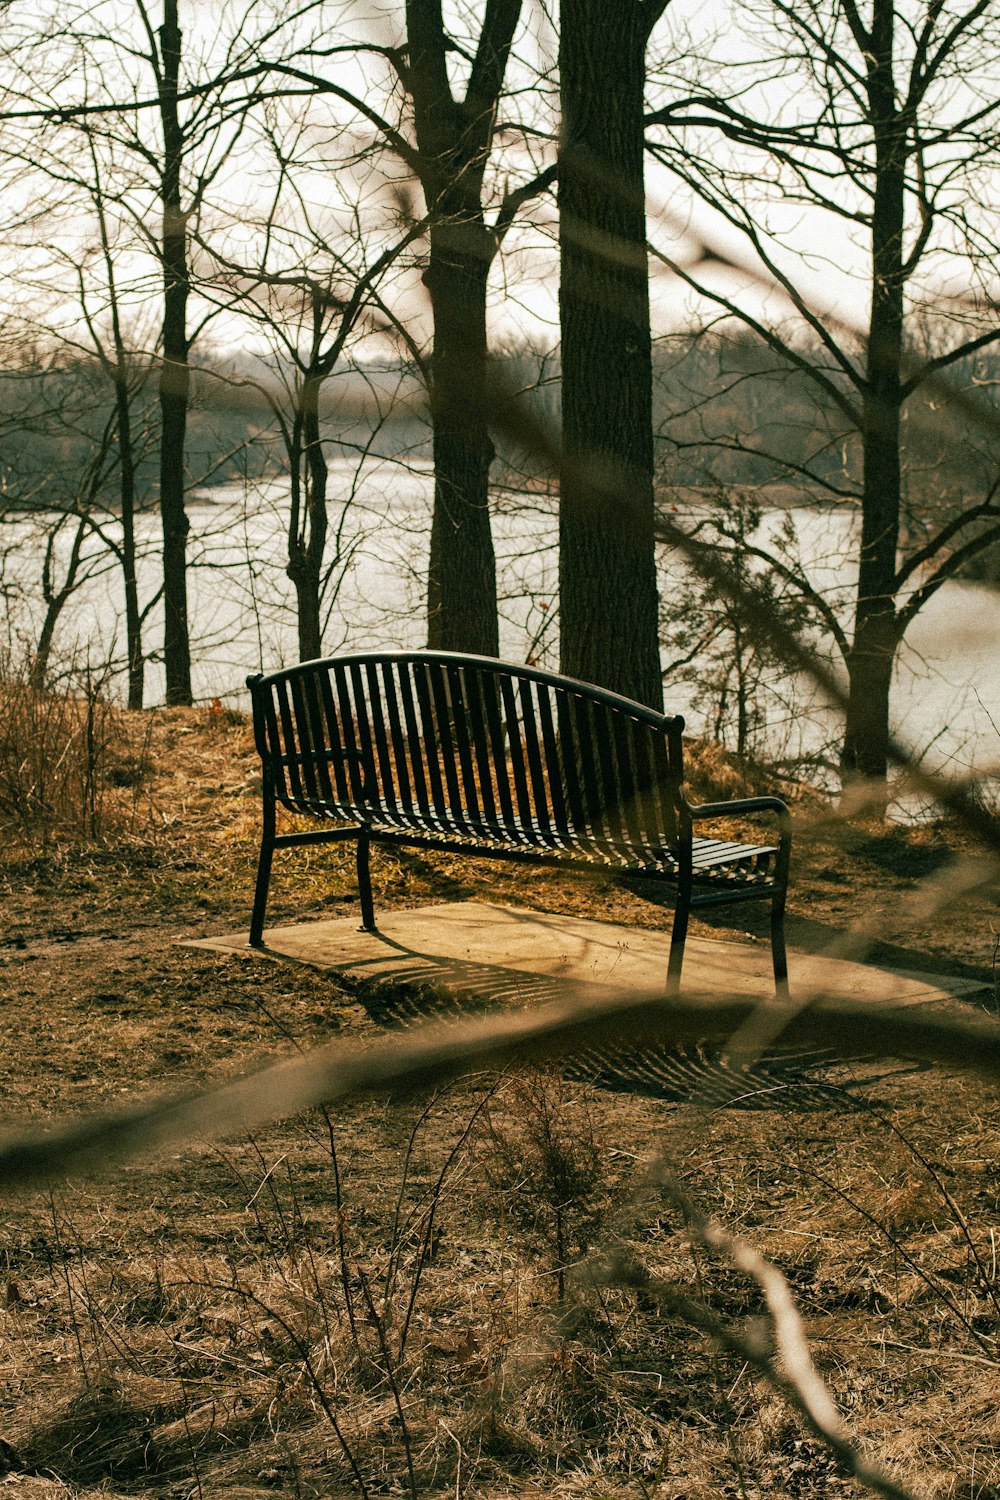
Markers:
{"x": 226, "y": 1321}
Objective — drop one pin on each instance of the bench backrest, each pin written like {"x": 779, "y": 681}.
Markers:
{"x": 453, "y": 745}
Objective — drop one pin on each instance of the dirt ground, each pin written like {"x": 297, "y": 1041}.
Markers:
{"x": 388, "y": 1299}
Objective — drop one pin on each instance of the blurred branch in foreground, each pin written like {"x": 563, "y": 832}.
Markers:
{"x": 436, "y": 1053}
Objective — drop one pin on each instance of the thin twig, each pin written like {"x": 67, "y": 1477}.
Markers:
{"x": 797, "y": 1378}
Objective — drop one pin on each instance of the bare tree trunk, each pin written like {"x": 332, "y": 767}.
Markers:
{"x": 876, "y": 634}
{"x": 607, "y": 567}
{"x": 308, "y": 522}
{"x": 453, "y": 141}
{"x": 55, "y": 599}
{"x": 462, "y": 581}
{"x": 133, "y": 616}
{"x": 175, "y": 375}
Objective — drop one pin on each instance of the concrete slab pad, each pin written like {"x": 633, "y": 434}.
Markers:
{"x": 514, "y": 955}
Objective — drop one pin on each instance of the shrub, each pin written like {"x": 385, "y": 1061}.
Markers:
{"x": 71, "y": 764}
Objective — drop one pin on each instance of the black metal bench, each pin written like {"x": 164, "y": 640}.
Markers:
{"x": 471, "y": 754}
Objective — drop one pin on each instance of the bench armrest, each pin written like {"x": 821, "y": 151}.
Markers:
{"x": 741, "y": 805}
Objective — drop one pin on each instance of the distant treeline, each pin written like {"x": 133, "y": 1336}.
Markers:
{"x": 729, "y": 414}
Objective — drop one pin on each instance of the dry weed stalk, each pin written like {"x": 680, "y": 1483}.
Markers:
{"x": 541, "y": 1161}
{"x": 790, "y": 1370}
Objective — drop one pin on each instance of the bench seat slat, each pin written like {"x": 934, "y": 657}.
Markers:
{"x": 352, "y": 754}
{"x": 531, "y": 832}
{"x": 333, "y": 745}
{"x": 383, "y": 675}
{"x": 550, "y": 752}
{"x": 306, "y": 760}
{"x": 497, "y": 841}
{"x": 532, "y": 744}
{"x": 314, "y": 704}
{"x": 521, "y": 821}
{"x": 713, "y": 853}
{"x": 446, "y": 757}
{"x": 628, "y": 785}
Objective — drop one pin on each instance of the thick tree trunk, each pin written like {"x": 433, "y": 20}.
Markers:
{"x": 310, "y": 632}
{"x": 607, "y": 569}
{"x": 453, "y": 140}
{"x": 175, "y": 375}
{"x": 869, "y": 668}
{"x": 876, "y": 635}
{"x": 461, "y": 582}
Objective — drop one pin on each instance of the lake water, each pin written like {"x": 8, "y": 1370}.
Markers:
{"x": 946, "y": 697}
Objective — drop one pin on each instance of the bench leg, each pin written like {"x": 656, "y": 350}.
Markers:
{"x": 263, "y": 876}
{"x": 779, "y": 957}
{"x": 365, "y": 883}
{"x": 678, "y": 937}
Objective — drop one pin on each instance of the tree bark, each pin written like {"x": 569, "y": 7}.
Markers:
{"x": 127, "y": 491}
{"x": 607, "y": 568}
{"x": 117, "y": 370}
{"x": 175, "y": 375}
{"x": 462, "y": 579}
{"x": 55, "y": 601}
{"x": 308, "y": 522}
{"x": 453, "y": 142}
{"x": 876, "y": 634}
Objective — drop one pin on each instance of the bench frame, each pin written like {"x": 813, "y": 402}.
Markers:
{"x": 299, "y": 707}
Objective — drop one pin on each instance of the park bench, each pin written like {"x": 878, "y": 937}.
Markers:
{"x": 471, "y": 754}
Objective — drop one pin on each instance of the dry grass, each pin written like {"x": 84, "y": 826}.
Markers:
{"x": 71, "y": 764}
{"x": 377, "y": 1324}
{"x": 429, "y": 1307}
